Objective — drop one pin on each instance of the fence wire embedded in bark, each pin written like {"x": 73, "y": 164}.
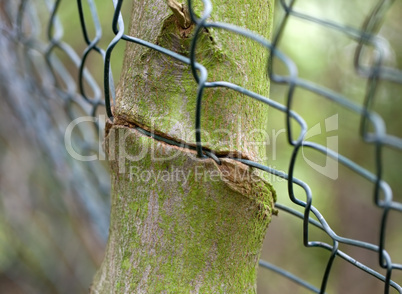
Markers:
{"x": 48, "y": 60}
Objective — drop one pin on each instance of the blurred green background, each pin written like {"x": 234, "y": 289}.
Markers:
{"x": 53, "y": 223}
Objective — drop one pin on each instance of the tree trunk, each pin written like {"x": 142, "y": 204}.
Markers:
{"x": 181, "y": 224}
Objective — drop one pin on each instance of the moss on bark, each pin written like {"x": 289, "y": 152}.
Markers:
{"x": 180, "y": 224}
{"x": 159, "y": 92}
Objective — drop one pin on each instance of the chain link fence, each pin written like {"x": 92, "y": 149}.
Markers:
{"x": 55, "y": 209}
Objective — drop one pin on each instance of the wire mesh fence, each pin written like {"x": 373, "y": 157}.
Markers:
{"x": 61, "y": 84}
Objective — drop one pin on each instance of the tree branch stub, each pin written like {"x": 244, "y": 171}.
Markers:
{"x": 181, "y": 13}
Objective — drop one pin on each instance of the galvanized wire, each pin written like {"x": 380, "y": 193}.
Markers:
{"x": 372, "y": 126}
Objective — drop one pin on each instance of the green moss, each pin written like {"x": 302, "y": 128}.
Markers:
{"x": 166, "y": 87}
{"x": 182, "y": 232}
{"x": 126, "y": 264}
{"x": 204, "y": 234}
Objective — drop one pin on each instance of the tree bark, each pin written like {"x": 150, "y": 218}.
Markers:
{"x": 181, "y": 224}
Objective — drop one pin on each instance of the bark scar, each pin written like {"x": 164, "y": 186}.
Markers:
{"x": 241, "y": 178}
{"x": 126, "y": 122}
